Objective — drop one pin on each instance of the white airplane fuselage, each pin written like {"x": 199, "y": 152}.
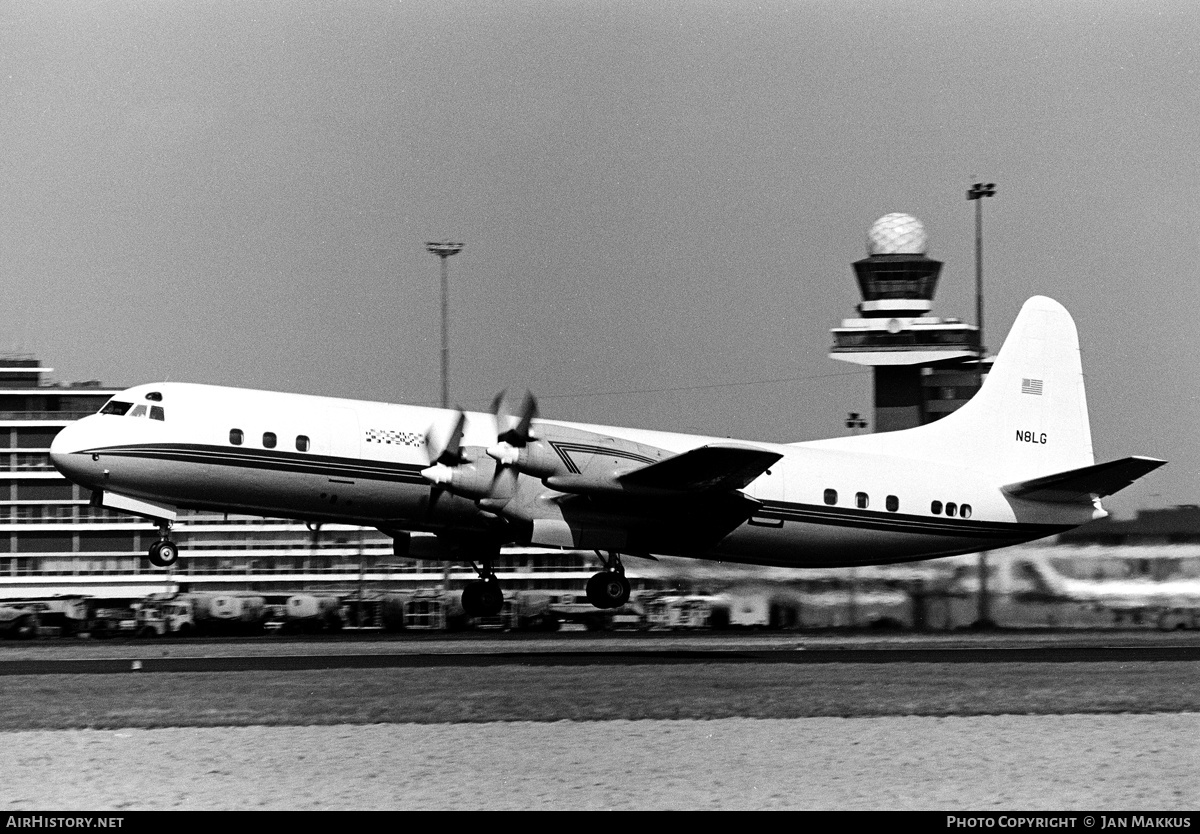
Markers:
{"x": 364, "y": 460}
{"x": 978, "y": 479}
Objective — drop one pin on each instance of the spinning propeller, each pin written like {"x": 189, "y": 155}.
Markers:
{"x": 485, "y": 475}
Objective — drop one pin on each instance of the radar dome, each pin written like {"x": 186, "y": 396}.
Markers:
{"x": 897, "y": 234}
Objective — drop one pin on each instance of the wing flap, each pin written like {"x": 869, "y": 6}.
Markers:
{"x": 1082, "y": 485}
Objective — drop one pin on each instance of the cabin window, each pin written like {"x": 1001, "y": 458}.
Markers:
{"x": 156, "y": 413}
{"x": 302, "y": 443}
{"x": 893, "y": 503}
{"x": 861, "y": 500}
{"x": 965, "y": 511}
{"x": 154, "y": 396}
{"x": 138, "y": 411}
{"x": 236, "y": 437}
{"x": 269, "y": 440}
{"x": 116, "y": 407}
{"x": 951, "y": 509}
{"x": 831, "y": 496}
{"x": 936, "y": 508}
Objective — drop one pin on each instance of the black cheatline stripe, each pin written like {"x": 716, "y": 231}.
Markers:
{"x": 905, "y": 523}
{"x": 268, "y": 460}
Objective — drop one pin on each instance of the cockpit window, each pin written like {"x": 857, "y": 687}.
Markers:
{"x": 157, "y": 413}
{"x": 116, "y": 407}
{"x": 138, "y": 411}
{"x": 154, "y": 396}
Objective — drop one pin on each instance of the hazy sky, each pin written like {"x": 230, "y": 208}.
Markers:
{"x": 660, "y": 200}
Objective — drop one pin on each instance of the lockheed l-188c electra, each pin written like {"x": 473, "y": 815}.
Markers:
{"x": 1013, "y": 464}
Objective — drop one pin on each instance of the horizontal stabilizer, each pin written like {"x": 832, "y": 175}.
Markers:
{"x": 707, "y": 469}
{"x": 1082, "y": 485}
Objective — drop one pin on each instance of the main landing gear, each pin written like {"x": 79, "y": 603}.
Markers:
{"x": 609, "y": 588}
{"x": 164, "y": 552}
{"x": 483, "y": 597}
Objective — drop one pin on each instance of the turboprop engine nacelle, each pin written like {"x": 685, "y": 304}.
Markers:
{"x": 534, "y": 458}
{"x": 473, "y": 478}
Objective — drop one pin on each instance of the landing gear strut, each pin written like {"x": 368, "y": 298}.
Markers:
{"x": 609, "y": 588}
{"x": 164, "y": 552}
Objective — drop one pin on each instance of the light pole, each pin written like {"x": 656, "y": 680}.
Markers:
{"x": 976, "y": 193}
{"x": 444, "y": 251}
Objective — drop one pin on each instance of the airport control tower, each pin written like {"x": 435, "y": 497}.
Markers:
{"x": 925, "y": 366}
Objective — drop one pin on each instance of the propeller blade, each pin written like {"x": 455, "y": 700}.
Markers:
{"x": 512, "y": 435}
{"x": 512, "y": 427}
{"x": 449, "y": 453}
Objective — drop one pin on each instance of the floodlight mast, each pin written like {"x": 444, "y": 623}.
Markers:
{"x": 976, "y": 194}
{"x": 444, "y": 250}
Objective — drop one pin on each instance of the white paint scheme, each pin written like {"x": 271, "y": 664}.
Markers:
{"x": 364, "y": 461}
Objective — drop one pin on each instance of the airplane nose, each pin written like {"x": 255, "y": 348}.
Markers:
{"x": 66, "y": 453}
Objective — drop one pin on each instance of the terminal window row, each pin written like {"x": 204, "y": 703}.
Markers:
{"x": 269, "y": 440}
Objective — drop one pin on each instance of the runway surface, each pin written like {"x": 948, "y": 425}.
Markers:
{"x": 68, "y": 656}
{"x": 149, "y": 664}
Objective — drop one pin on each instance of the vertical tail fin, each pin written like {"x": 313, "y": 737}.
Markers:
{"x": 1030, "y": 417}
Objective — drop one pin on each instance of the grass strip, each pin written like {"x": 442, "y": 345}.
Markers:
{"x": 570, "y": 693}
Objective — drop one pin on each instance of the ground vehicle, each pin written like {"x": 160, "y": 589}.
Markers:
{"x": 233, "y": 612}
{"x": 523, "y": 611}
{"x": 17, "y": 622}
{"x": 113, "y": 622}
{"x": 422, "y": 610}
{"x": 681, "y": 612}
{"x": 311, "y": 613}
{"x": 577, "y": 608}
{"x": 202, "y": 612}
{"x": 58, "y": 615}
{"x": 161, "y": 616}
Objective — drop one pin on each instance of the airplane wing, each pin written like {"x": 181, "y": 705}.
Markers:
{"x": 708, "y": 470}
{"x": 1081, "y": 485}
{"x": 714, "y": 468}
{"x": 688, "y": 502}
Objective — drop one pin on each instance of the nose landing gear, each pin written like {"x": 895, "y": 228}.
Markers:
{"x": 164, "y": 553}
